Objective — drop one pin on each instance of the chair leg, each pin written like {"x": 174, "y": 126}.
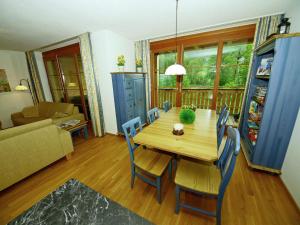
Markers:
{"x": 174, "y": 163}
{"x": 132, "y": 176}
{"x": 219, "y": 211}
{"x": 170, "y": 170}
{"x": 177, "y": 191}
{"x": 158, "y": 185}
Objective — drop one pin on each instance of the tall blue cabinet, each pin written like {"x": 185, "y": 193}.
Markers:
{"x": 267, "y": 122}
{"x": 130, "y": 96}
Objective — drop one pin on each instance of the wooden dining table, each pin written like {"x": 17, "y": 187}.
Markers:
{"x": 199, "y": 140}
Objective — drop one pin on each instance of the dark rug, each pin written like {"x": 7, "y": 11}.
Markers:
{"x": 75, "y": 203}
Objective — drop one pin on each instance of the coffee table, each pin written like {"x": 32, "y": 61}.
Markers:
{"x": 82, "y": 126}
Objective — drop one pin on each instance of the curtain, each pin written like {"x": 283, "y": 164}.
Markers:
{"x": 264, "y": 27}
{"x": 142, "y": 51}
{"x": 93, "y": 90}
{"x": 36, "y": 84}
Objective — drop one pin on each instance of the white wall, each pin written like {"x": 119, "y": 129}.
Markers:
{"x": 291, "y": 165}
{"x": 294, "y": 14}
{"x": 15, "y": 65}
{"x": 107, "y": 45}
{"x": 43, "y": 76}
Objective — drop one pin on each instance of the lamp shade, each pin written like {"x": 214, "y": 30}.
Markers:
{"x": 175, "y": 69}
{"x": 21, "y": 88}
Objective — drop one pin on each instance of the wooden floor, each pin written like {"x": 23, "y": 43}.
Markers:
{"x": 252, "y": 198}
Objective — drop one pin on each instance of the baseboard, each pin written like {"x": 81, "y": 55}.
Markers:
{"x": 258, "y": 167}
{"x": 112, "y": 134}
{"x": 289, "y": 194}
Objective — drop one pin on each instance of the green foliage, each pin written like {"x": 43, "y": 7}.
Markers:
{"x": 187, "y": 116}
{"x": 201, "y": 67}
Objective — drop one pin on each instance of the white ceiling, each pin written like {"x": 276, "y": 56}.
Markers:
{"x": 28, "y": 24}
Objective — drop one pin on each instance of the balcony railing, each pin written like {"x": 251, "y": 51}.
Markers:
{"x": 202, "y": 98}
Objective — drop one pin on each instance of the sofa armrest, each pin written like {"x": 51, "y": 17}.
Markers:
{"x": 16, "y": 115}
{"x": 65, "y": 140}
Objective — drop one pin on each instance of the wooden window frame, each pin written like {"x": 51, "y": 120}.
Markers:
{"x": 216, "y": 37}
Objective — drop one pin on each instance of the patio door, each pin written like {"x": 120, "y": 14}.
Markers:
{"x": 217, "y": 69}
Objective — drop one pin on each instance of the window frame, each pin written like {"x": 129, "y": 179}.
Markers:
{"x": 216, "y": 37}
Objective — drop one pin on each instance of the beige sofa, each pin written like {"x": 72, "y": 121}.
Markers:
{"x": 28, "y": 148}
{"x": 57, "y": 111}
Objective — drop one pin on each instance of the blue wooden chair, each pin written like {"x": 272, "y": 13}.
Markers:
{"x": 222, "y": 113}
{"x": 149, "y": 163}
{"x": 222, "y": 128}
{"x": 152, "y": 115}
{"x": 208, "y": 180}
{"x": 166, "y": 106}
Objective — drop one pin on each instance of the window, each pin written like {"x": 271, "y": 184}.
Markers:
{"x": 200, "y": 64}
{"x": 164, "y": 60}
{"x": 235, "y": 62}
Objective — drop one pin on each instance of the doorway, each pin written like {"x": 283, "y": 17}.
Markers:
{"x": 66, "y": 78}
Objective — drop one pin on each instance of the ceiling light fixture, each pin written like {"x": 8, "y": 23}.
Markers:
{"x": 176, "y": 69}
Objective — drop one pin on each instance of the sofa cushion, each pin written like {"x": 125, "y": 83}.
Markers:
{"x": 31, "y": 111}
{"x": 48, "y": 109}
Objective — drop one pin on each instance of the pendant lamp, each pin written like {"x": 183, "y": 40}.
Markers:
{"x": 176, "y": 69}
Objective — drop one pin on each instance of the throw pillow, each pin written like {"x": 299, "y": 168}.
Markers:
{"x": 59, "y": 115}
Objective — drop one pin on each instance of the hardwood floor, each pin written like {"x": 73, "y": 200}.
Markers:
{"x": 252, "y": 197}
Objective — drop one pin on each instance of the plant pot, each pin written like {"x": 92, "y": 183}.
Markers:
{"x": 121, "y": 68}
{"x": 139, "y": 69}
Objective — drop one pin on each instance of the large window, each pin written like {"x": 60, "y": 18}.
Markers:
{"x": 217, "y": 68}
{"x": 200, "y": 64}
{"x": 235, "y": 63}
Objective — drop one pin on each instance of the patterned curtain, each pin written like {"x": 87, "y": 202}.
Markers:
{"x": 264, "y": 27}
{"x": 142, "y": 51}
{"x": 36, "y": 85}
{"x": 92, "y": 85}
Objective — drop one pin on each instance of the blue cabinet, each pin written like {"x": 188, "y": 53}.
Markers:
{"x": 267, "y": 122}
{"x": 130, "y": 97}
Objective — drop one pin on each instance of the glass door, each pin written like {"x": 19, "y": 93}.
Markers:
{"x": 167, "y": 90}
{"x": 55, "y": 82}
{"x": 66, "y": 77}
{"x": 198, "y": 83}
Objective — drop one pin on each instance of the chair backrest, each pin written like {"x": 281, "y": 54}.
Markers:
{"x": 129, "y": 129}
{"x": 222, "y": 127}
{"x": 227, "y": 159}
{"x": 166, "y": 106}
{"x": 153, "y": 114}
{"x": 222, "y": 112}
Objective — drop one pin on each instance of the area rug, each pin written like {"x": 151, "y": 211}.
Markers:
{"x": 75, "y": 203}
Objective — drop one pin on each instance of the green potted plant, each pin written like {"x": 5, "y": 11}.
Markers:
{"x": 139, "y": 65}
{"x": 121, "y": 62}
{"x": 187, "y": 115}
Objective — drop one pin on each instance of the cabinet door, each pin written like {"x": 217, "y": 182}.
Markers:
{"x": 139, "y": 99}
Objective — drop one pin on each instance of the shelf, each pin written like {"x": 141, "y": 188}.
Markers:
{"x": 251, "y": 126}
{"x": 254, "y": 98}
{"x": 263, "y": 77}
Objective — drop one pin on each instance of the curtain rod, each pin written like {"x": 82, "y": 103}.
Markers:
{"x": 55, "y": 43}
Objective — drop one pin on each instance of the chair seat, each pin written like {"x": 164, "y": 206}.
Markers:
{"x": 198, "y": 177}
{"x": 151, "y": 161}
